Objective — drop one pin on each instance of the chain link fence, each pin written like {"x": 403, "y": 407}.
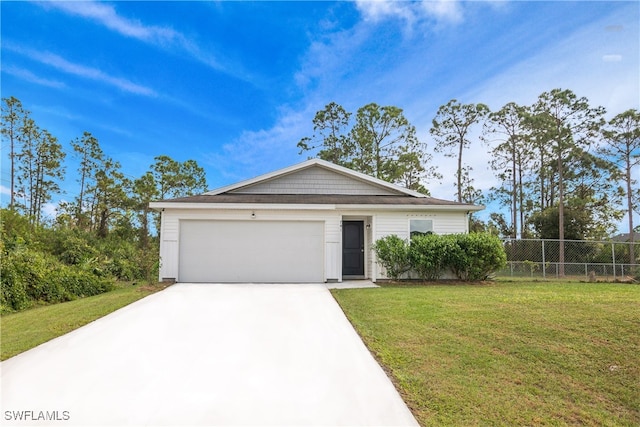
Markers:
{"x": 583, "y": 259}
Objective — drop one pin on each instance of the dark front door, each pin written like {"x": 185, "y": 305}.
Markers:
{"x": 353, "y": 248}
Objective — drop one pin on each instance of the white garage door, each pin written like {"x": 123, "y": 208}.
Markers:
{"x": 251, "y": 251}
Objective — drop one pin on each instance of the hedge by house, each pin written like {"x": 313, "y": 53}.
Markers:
{"x": 470, "y": 257}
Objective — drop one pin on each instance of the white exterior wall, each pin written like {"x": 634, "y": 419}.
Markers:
{"x": 397, "y": 223}
{"x": 382, "y": 223}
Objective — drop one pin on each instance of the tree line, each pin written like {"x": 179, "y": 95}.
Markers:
{"x": 102, "y": 233}
{"x": 565, "y": 172}
{"x": 106, "y": 198}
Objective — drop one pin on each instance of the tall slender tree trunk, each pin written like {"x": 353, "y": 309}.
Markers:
{"x": 514, "y": 193}
{"x": 80, "y": 202}
{"x": 460, "y": 169}
{"x": 521, "y": 194}
{"x": 13, "y": 172}
{"x": 560, "y": 217}
{"x": 542, "y": 179}
{"x": 632, "y": 253}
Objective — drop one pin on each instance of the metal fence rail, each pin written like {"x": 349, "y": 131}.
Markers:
{"x": 591, "y": 260}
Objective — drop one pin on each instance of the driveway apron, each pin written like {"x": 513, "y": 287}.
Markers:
{"x": 207, "y": 354}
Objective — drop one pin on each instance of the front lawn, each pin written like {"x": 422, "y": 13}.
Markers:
{"x": 507, "y": 353}
{"x": 27, "y": 329}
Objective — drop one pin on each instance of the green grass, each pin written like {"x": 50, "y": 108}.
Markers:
{"x": 26, "y": 329}
{"x": 507, "y": 353}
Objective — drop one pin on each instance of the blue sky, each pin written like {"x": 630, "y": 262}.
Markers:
{"x": 234, "y": 85}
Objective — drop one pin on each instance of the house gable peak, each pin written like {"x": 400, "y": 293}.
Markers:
{"x": 316, "y": 176}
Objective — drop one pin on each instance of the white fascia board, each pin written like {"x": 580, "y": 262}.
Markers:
{"x": 322, "y": 163}
{"x": 240, "y": 206}
{"x": 323, "y": 207}
{"x": 411, "y": 208}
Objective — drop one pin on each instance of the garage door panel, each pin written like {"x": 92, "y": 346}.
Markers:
{"x": 251, "y": 251}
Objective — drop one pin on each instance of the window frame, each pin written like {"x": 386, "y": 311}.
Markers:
{"x": 416, "y": 231}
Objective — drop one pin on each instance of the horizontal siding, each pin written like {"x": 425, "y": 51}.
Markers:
{"x": 392, "y": 223}
{"x": 398, "y": 223}
{"x": 455, "y": 222}
{"x": 170, "y": 228}
{"x": 315, "y": 180}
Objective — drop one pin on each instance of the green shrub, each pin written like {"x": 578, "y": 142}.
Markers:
{"x": 429, "y": 254}
{"x": 77, "y": 283}
{"x": 24, "y": 278}
{"x": 121, "y": 259}
{"x": 475, "y": 256}
{"x": 13, "y": 290}
{"x": 470, "y": 257}
{"x": 393, "y": 254}
{"x": 30, "y": 276}
{"x": 73, "y": 247}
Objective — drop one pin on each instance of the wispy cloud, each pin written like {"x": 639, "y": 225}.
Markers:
{"x": 244, "y": 157}
{"x": 160, "y": 36}
{"x": 106, "y": 15}
{"x": 27, "y": 75}
{"x": 62, "y": 64}
{"x": 441, "y": 11}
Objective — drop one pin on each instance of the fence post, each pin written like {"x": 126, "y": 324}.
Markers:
{"x": 544, "y": 264}
{"x": 613, "y": 257}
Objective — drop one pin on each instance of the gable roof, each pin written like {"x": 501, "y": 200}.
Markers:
{"x": 314, "y": 182}
{"x": 370, "y": 181}
{"x": 626, "y": 237}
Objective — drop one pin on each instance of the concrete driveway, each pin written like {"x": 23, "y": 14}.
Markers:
{"x": 207, "y": 354}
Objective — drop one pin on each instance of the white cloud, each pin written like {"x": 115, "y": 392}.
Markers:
{"x": 441, "y": 11}
{"x": 69, "y": 67}
{"x": 246, "y": 156}
{"x": 444, "y": 10}
{"x": 106, "y": 15}
{"x": 50, "y": 210}
{"x": 164, "y": 37}
{"x": 612, "y": 58}
{"x": 5, "y": 190}
{"x": 377, "y": 10}
{"x": 27, "y": 75}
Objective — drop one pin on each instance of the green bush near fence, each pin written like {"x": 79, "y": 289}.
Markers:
{"x": 471, "y": 257}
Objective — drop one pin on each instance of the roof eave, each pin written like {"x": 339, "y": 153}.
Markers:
{"x": 159, "y": 206}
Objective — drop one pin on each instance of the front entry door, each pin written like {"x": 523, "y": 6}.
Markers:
{"x": 353, "y": 248}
